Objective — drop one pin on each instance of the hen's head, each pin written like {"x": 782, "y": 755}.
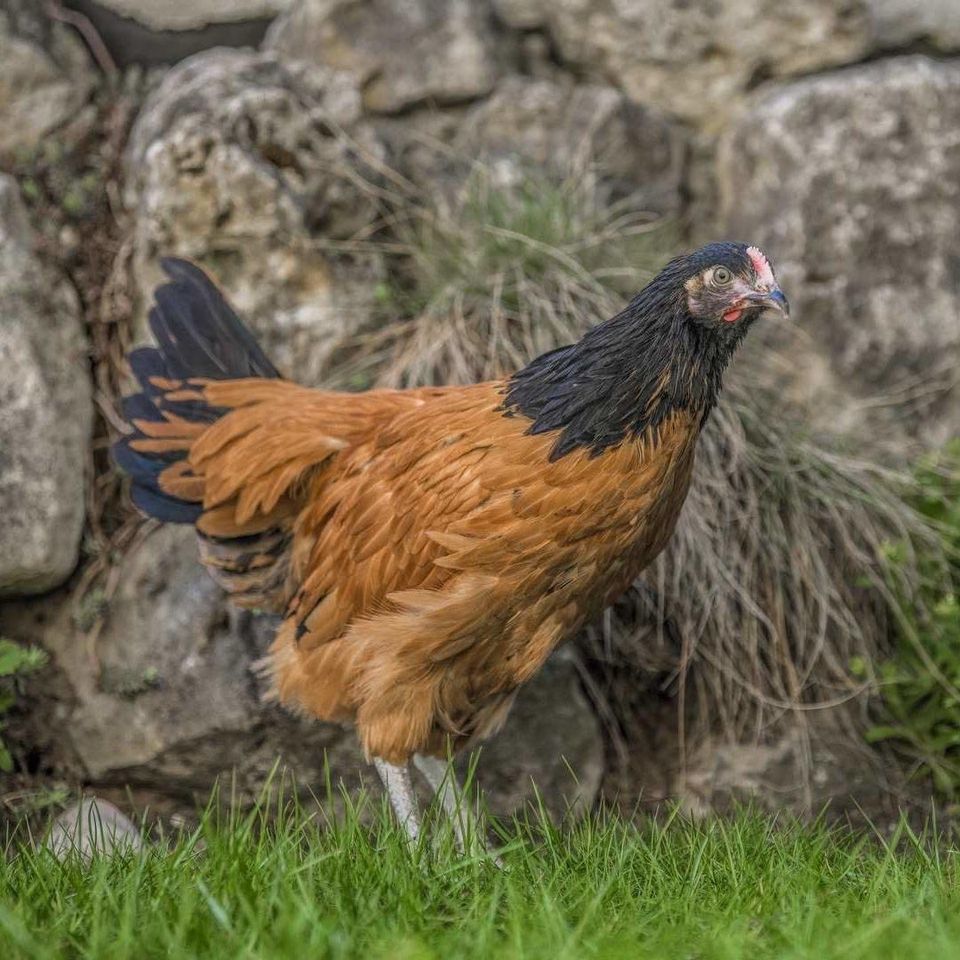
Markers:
{"x": 726, "y": 286}
{"x": 666, "y": 350}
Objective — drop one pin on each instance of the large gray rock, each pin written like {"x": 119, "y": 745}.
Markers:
{"x": 566, "y": 129}
{"x": 160, "y": 32}
{"x": 551, "y": 743}
{"x": 177, "y": 15}
{"x": 170, "y": 699}
{"x": 521, "y": 14}
{"x": 402, "y": 52}
{"x": 853, "y": 188}
{"x": 532, "y": 131}
{"x": 252, "y": 168}
{"x": 697, "y": 59}
{"x": 45, "y": 77}
{"x": 804, "y": 768}
{"x": 46, "y": 411}
{"x": 900, "y": 22}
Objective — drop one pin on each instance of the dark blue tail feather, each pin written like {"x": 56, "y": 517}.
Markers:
{"x": 199, "y": 336}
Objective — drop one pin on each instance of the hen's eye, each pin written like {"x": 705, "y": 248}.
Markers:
{"x": 722, "y": 276}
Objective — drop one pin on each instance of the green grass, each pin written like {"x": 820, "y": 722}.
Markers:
{"x": 288, "y": 886}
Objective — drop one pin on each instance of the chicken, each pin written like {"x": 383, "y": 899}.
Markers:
{"x": 427, "y": 549}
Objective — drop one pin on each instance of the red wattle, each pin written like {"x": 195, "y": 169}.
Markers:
{"x": 732, "y": 316}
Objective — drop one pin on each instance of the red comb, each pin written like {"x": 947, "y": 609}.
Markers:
{"x": 761, "y": 265}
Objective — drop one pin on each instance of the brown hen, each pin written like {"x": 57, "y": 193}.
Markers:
{"x": 429, "y": 548}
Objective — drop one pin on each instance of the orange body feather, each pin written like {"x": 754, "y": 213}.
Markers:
{"x": 426, "y": 555}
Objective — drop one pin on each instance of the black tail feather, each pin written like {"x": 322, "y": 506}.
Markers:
{"x": 149, "y": 499}
{"x": 199, "y": 336}
{"x": 198, "y": 332}
{"x": 140, "y": 465}
{"x": 146, "y": 363}
{"x": 139, "y": 406}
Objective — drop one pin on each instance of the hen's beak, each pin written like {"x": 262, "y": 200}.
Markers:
{"x": 773, "y": 300}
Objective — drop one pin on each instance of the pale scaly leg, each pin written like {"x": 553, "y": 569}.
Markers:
{"x": 443, "y": 781}
{"x": 399, "y": 787}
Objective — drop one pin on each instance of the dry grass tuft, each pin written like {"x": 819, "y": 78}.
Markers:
{"x": 487, "y": 278}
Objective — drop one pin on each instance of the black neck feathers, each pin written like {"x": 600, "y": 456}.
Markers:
{"x": 626, "y": 375}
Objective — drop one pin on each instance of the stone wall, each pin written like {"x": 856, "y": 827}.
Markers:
{"x": 827, "y": 132}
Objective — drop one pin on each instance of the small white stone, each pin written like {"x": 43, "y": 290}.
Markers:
{"x": 92, "y": 828}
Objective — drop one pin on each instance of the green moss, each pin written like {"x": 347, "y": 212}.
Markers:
{"x": 920, "y": 684}
{"x": 16, "y": 662}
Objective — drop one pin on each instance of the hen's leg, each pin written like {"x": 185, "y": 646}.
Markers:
{"x": 467, "y": 829}
{"x": 399, "y": 787}
{"x": 443, "y": 782}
